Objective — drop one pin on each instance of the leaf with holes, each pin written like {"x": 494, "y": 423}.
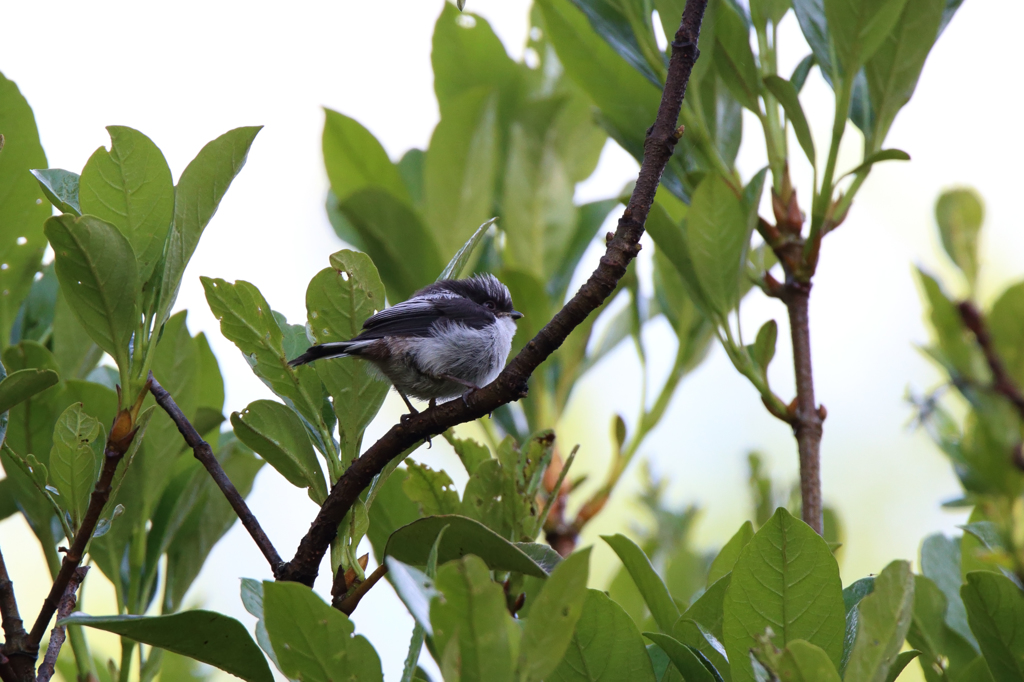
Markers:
{"x": 75, "y": 459}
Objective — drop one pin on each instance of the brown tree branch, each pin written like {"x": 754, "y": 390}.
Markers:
{"x": 1002, "y": 382}
{"x": 349, "y": 603}
{"x": 14, "y": 628}
{"x": 120, "y": 438}
{"x": 59, "y": 632}
{"x": 202, "y": 451}
{"x": 511, "y": 384}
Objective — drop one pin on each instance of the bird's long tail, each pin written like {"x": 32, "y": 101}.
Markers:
{"x": 338, "y": 349}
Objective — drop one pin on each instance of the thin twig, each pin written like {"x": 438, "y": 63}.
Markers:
{"x": 511, "y": 384}
{"x": 1002, "y": 382}
{"x": 202, "y": 451}
{"x": 59, "y": 632}
{"x": 119, "y": 439}
{"x": 349, "y": 603}
{"x": 14, "y": 628}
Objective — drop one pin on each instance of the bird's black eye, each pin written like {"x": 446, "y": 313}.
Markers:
{"x": 489, "y": 305}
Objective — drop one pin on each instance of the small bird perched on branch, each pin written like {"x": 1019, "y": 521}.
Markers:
{"x": 450, "y": 338}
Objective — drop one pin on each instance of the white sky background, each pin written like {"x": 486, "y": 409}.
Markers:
{"x": 185, "y": 72}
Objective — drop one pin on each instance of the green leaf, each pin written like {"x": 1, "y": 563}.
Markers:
{"x": 411, "y": 544}
{"x": 605, "y": 647}
{"x": 472, "y": 626}
{"x": 197, "y": 195}
{"x": 338, "y": 300}
{"x": 800, "y": 73}
{"x": 96, "y": 267}
{"x": 811, "y": 16}
{"x": 589, "y": 218}
{"x": 685, "y": 661}
{"x": 726, "y": 559}
{"x": 734, "y": 58}
{"x": 355, "y": 159}
{"x": 459, "y": 171}
{"x": 553, "y": 617}
{"x": 763, "y": 349}
{"x": 416, "y": 590}
{"x": 246, "y": 319}
{"x": 852, "y": 594}
{"x": 278, "y": 436}
{"x": 787, "y": 94}
{"x": 546, "y": 557}
{"x": 22, "y": 384}
{"x": 206, "y": 636}
{"x": 22, "y": 206}
{"x": 960, "y": 214}
{"x": 76, "y": 354}
{"x": 884, "y": 620}
{"x": 458, "y": 263}
{"x": 787, "y": 579}
{"x": 859, "y": 27}
{"x": 940, "y": 562}
{"x": 432, "y": 490}
{"x": 653, "y": 589}
{"x": 805, "y": 662}
{"x": 626, "y": 27}
{"x": 74, "y": 459}
{"x": 131, "y": 188}
{"x": 469, "y": 451}
{"x": 883, "y": 155}
{"x": 252, "y": 599}
{"x": 391, "y": 509}
{"x": 390, "y": 230}
{"x": 718, "y": 237}
{"x": 1006, "y": 322}
{"x": 957, "y": 351}
{"x": 995, "y": 610}
{"x": 893, "y": 71}
{"x": 60, "y": 187}
{"x": 902, "y": 661}
{"x": 313, "y": 641}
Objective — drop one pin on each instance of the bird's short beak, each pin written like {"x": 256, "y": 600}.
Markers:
{"x": 515, "y": 314}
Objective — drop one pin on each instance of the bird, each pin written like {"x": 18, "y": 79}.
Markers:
{"x": 449, "y": 339}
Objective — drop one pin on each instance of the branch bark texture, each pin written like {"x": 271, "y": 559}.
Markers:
{"x": 202, "y": 451}
{"x": 59, "y": 632}
{"x": 1002, "y": 382}
{"x": 14, "y": 628}
{"x": 511, "y": 384}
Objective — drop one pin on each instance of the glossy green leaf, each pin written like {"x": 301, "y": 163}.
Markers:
{"x": 206, "y": 636}
{"x": 605, "y": 647}
{"x": 718, "y": 237}
{"x": 802, "y": 70}
{"x": 432, "y": 490}
{"x": 685, "y": 661}
{"x": 553, "y": 617}
{"x": 131, "y": 188}
{"x": 701, "y": 640}
{"x": 339, "y": 299}
{"x": 252, "y": 599}
{"x": 893, "y": 71}
{"x": 626, "y": 27}
{"x": 313, "y": 642}
{"x": 859, "y": 27}
{"x": 787, "y": 579}
{"x": 653, "y": 589}
{"x": 734, "y": 58}
{"x": 197, "y": 195}
{"x": 457, "y": 265}
{"x": 589, "y": 218}
{"x": 995, "y": 611}
{"x": 730, "y": 552}
{"x": 883, "y": 155}
{"x": 940, "y": 562}
{"x": 76, "y": 353}
{"x": 459, "y": 172}
{"x": 278, "y": 436}
{"x": 546, "y": 557}
{"x": 804, "y": 662}
{"x": 883, "y": 622}
{"x": 811, "y": 16}
{"x": 787, "y": 94}
{"x": 939, "y": 644}
{"x": 247, "y": 320}
{"x": 763, "y": 349}
{"x": 960, "y": 214}
{"x": 852, "y": 594}
{"x": 96, "y": 267}
{"x": 355, "y": 159}
{"x": 22, "y": 206}
{"x": 411, "y": 544}
{"x": 75, "y": 459}
{"x": 60, "y": 187}
{"x": 473, "y": 630}
{"x": 390, "y": 230}
{"x": 762, "y": 11}
{"x": 20, "y": 385}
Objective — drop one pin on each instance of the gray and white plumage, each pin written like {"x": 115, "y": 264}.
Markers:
{"x": 449, "y": 337}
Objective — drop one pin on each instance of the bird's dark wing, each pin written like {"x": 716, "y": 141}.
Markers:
{"x": 416, "y": 317}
